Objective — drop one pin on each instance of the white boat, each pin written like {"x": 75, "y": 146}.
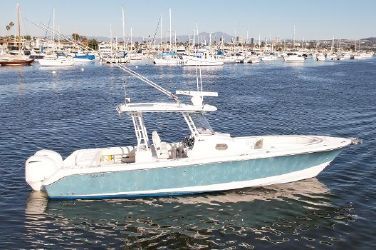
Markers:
{"x": 108, "y": 54}
{"x": 293, "y": 57}
{"x": 199, "y": 61}
{"x": 201, "y": 58}
{"x": 320, "y": 57}
{"x": 269, "y": 57}
{"x": 332, "y": 56}
{"x": 56, "y": 60}
{"x": 84, "y": 58}
{"x": 229, "y": 57}
{"x": 168, "y": 58}
{"x": 16, "y": 57}
{"x": 135, "y": 56}
{"x": 251, "y": 58}
{"x": 363, "y": 55}
{"x": 204, "y": 161}
{"x": 15, "y": 60}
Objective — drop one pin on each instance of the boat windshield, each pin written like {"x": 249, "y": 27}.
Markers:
{"x": 201, "y": 123}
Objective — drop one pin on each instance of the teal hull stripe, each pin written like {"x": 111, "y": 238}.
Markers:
{"x": 106, "y": 183}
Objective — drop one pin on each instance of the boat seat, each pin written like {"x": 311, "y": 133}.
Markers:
{"x": 161, "y": 148}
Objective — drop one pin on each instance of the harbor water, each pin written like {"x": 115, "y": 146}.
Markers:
{"x": 73, "y": 108}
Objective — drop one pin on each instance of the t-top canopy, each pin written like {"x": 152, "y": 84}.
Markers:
{"x": 164, "y": 107}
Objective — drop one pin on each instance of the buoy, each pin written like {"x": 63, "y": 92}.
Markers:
{"x": 54, "y": 72}
{"x": 82, "y": 69}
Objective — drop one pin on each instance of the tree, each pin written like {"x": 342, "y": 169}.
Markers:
{"x": 93, "y": 44}
{"x": 75, "y": 36}
{"x": 9, "y": 26}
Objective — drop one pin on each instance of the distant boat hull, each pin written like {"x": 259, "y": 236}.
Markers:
{"x": 16, "y": 62}
{"x": 167, "y": 61}
{"x": 294, "y": 59}
{"x": 56, "y": 62}
{"x": 195, "y": 61}
{"x": 84, "y": 58}
{"x": 190, "y": 179}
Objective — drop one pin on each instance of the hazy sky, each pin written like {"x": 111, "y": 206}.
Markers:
{"x": 314, "y": 19}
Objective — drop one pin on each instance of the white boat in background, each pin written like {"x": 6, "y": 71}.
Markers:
{"x": 201, "y": 60}
{"x": 16, "y": 57}
{"x": 251, "y": 59}
{"x": 135, "y": 56}
{"x": 293, "y": 57}
{"x": 347, "y": 55}
{"x": 332, "y": 56}
{"x": 84, "y": 58}
{"x": 168, "y": 58}
{"x": 320, "y": 57}
{"x": 363, "y": 55}
{"x": 269, "y": 57}
{"x": 204, "y": 161}
{"x": 15, "y": 60}
{"x": 229, "y": 57}
{"x": 108, "y": 54}
{"x": 56, "y": 60}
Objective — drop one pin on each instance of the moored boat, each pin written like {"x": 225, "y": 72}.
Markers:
{"x": 168, "y": 58}
{"x": 16, "y": 57}
{"x": 293, "y": 57}
{"x": 83, "y": 58}
{"x": 201, "y": 61}
{"x": 320, "y": 57}
{"x": 15, "y": 60}
{"x": 55, "y": 60}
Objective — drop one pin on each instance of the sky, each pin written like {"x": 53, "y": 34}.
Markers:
{"x": 313, "y": 19}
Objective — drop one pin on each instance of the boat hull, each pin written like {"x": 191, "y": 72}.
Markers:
{"x": 55, "y": 63}
{"x": 17, "y": 62}
{"x": 190, "y": 179}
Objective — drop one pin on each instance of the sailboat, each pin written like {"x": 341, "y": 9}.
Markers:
{"x": 168, "y": 58}
{"x": 16, "y": 58}
{"x": 55, "y": 59}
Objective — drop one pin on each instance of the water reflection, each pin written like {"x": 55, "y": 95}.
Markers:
{"x": 251, "y": 216}
{"x": 21, "y": 81}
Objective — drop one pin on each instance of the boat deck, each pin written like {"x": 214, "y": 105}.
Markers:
{"x": 224, "y": 147}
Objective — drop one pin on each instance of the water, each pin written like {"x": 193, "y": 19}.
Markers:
{"x": 69, "y": 109}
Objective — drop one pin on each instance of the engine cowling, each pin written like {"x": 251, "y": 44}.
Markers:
{"x": 42, "y": 165}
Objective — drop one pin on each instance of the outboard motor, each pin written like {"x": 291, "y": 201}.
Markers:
{"x": 42, "y": 165}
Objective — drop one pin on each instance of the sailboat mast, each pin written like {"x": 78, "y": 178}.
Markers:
{"x": 58, "y": 37}
{"x": 123, "y": 18}
{"x": 169, "y": 10}
{"x": 198, "y": 39}
{"x": 131, "y": 38}
{"x": 112, "y": 47}
{"x": 161, "y": 32}
{"x": 293, "y": 43}
{"x": 175, "y": 40}
{"x": 18, "y": 28}
{"x": 194, "y": 39}
{"x": 53, "y": 28}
